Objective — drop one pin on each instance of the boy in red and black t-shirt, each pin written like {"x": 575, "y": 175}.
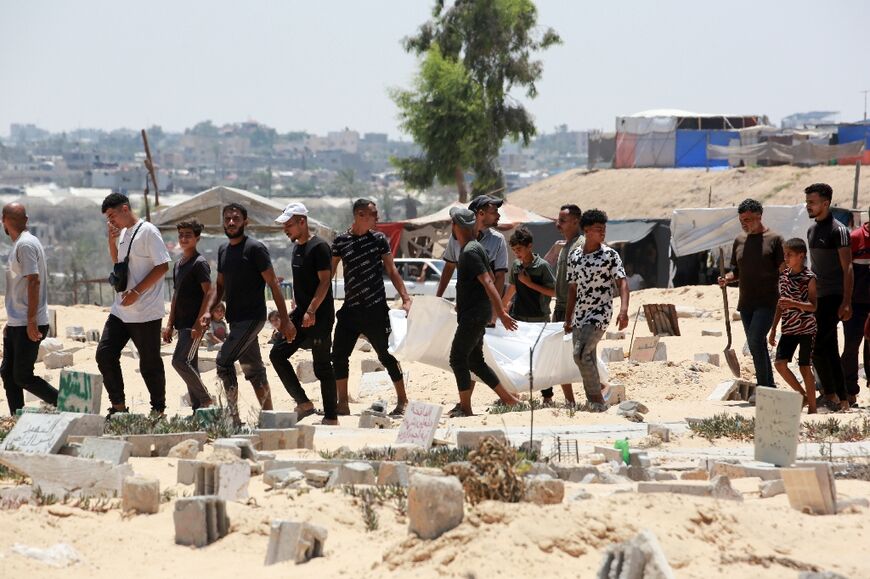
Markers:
{"x": 797, "y": 302}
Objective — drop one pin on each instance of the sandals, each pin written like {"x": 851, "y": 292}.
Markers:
{"x": 457, "y": 412}
{"x": 300, "y": 414}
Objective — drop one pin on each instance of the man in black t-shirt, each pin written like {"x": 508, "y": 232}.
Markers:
{"x": 476, "y": 300}
{"x": 311, "y": 320}
{"x": 191, "y": 279}
{"x": 244, "y": 271}
{"x": 365, "y": 255}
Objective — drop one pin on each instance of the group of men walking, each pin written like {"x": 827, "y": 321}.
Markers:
{"x": 776, "y": 285}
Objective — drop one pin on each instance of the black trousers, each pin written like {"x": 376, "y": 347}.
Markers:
{"x": 241, "y": 345}
{"x": 826, "y": 351}
{"x": 19, "y": 356}
{"x": 374, "y": 324}
{"x": 185, "y": 360}
{"x": 146, "y": 337}
{"x": 466, "y": 354}
{"x": 320, "y": 343}
{"x": 853, "y": 335}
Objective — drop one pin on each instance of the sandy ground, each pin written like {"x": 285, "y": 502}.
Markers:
{"x": 701, "y": 537}
{"x": 636, "y": 193}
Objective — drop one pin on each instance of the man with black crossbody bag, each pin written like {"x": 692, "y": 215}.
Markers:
{"x": 191, "y": 278}
{"x": 138, "y": 308}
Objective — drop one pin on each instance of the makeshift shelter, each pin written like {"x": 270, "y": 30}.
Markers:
{"x": 675, "y": 138}
{"x": 207, "y": 206}
{"x": 427, "y": 236}
{"x": 855, "y": 133}
{"x": 644, "y": 245}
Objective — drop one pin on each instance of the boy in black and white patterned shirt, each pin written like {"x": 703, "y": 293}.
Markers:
{"x": 593, "y": 269}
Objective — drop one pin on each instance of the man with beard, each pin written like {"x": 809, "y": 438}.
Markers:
{"x": 312, "y": 318}
{"x": 831, "y": 258}
{"x": 138, "y": 309}
{"x": 26, "y": 312}
{"x": 244, "y": 270}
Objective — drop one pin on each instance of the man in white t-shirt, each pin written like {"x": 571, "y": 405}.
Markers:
{"x": 26, "y": 312}
{"x": 138, "y": 308}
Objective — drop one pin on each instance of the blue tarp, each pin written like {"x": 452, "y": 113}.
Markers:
{"x": 852, "y": 133}
{"x": 691, "y": 150}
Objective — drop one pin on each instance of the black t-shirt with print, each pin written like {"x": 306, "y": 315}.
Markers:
{"x": 362, "y": 260}
{"x": 242, "y": 266}
{"x": 188, "y": 277}
{"x": 309, "y": 258}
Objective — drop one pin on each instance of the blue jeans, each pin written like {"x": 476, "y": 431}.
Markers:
{"x": 756, "y": 324}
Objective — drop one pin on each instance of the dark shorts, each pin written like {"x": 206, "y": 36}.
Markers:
{"x": 788, "y": 344}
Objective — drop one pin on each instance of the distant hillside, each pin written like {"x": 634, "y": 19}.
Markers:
{"x": 633, "y": 193}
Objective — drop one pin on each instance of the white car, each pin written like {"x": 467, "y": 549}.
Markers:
{"x": 421, "y": 277}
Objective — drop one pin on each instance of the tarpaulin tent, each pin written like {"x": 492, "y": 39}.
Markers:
{"x": 207, "y": 206}
{"x": 393, "y": 230}
{"x": 853, "y": 133}
{"x": 644, "y": 245}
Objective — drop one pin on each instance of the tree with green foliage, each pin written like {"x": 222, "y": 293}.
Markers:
{"x": 460, "y": 109}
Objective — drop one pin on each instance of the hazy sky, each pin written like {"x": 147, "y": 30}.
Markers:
{"x": 327, "y": 64}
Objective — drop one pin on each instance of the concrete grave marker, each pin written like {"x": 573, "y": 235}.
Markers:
{"x": 644, "y": 349}
{"x": 777, "y": 423}
{"x": 420, "y": 423}
{"x": 811, "y": 489}
{"x": 36, "y": 433}
{"x": 80, "y": 392}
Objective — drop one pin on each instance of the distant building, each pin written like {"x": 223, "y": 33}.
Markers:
{"x": 28, "y": 133}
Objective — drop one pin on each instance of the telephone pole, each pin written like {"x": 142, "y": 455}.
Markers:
{"x": 865, "y": 91}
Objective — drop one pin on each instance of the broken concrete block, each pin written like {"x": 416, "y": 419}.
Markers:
{"x": 371, "y": 419}
{"x": 92, "y": 336}
{"x": 306, "y": 436}
{"x": 633, "y": 406}
{"x": 544, "y": 490}
{"x": 368, "y": 365}
{"x": 223, "y": 446}
{"x": 185, "y": 449}
{"x": 278, "y": 438}
{"x": 393, "y": 473}
{"x": 54, "y": 360}
{"x": 108, "y": 449}
{"x": 305, "y": 371}
{"x": 613, "y": 354}
{"x": 141, "y": 495}
{"x": 148, "y": 445}
{"x": 696, "y": 474}
{"x": 639, "y": 558}
{"x": 573, "y": 472}
{"x": 363, "y": 345}
{"x": 435, "y": 505}
{"x": 712, "y": 359}
{"x": 719, "y": 487}
{"x": 228, "y": 481}
{"x": 275, "y": 419}
{"x": 353, "y": 473}
{"x": 317, "y": 477}
{"x": 614, "y": 336}
{"x": 37, "y": 433}
{"x": 610, "y": 454}
{"x": 472, "y": 438}
{"x": 200, "y": 521}
{"x": 243, "y": 445}
{"x": 771, "y": 488}
{"x": 659, "y": 430}
{"x": 282, "y": 477}
{"x": 722, "y": 489}
{"x": 292, "y": 541}
{"x": 714, "y": 333}
{"x": 187, "y": 471}
{"x": 66, "y": 475}
{"x": 47, "y": 346}
{"x": 75, "y": 331}
{"x": 732, "y": 470}
{"x": 811, "y": 488}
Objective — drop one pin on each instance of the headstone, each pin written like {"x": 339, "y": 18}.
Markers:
{"x": 187, "y": 471}
{"x": 141, "y": 495}
{"x": 613, "y": 354}
{"x": 420, "y": 423}
{"x": 472, "y": 438}
{"x": 372, "y": 419}
{"x": 393, "y": 473}
{"x": 353, "y": 473}
{"x": 80, "y": 392}
{"x": 200, "y": 521}
{"x": 305, "y": 371}
{"x": 306, "y": 436}
{"x": 811, "y": 488}
{"x": 376, "y": 384}
{"x": 543, "y": 489}
{"x": 55, "y": 360}
{"x": 62, "y": 475}
{"x": 723, "y": 390}
{"x": 368, "y": 365}
{"x": 292, "y": 541}
{"x": 108, "y": 449}
{"x": 93, "y": 336}
{"x": 75, "y": 331}
{"x": 277, "y": 419}
{"x": 644, "y": 349}
{"x": 278, "y": 439}
{"x": 435, "y": 505}
{"x": 37, "y": 433}
{"x": 48, "y": 345}
{"x": 232, "y": 481}
{"x": 777, "y": 424}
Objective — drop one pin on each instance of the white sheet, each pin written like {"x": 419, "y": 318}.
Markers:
{"x": 426, "y": 335}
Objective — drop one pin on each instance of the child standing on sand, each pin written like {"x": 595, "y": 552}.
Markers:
{"x": 797, "y": 302}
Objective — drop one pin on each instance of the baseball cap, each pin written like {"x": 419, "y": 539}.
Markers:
{"x": 291, "y": 210}
{"x": 480, "y": 202}
{"x": 462, "y": 217}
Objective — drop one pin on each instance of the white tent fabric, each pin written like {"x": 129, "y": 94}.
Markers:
{"x": 695, "y": 230}
{"x": 641, "y": 125}
{"x": 427, "y": 333}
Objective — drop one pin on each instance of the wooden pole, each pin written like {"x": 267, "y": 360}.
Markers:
{"x": 149, "y": 165}
{"x": 857, "y": 180}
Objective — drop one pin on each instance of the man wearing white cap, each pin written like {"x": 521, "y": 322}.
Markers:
{"x": 244, "y": 271}
{"x": 311, "y": 320}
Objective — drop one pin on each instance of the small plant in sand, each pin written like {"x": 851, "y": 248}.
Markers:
{"x": 491, "y": 473}
{"x": 834, "y": 430}
{"x": 369, "y": 497}
{"x": 434, "y": 458}
{"x": 219, "y": 426}
{"x": 724, "y": 425}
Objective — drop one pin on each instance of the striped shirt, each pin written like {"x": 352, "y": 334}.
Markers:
{"x": 362, "y": 257}
{"x": 826, "y": 237}
{"x": 796, "y": 286}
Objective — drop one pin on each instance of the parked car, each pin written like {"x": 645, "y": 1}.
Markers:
{"x": 421, "y": 277}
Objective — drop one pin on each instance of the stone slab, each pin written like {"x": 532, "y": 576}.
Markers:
{"x": 615, "y": 354}
{"x": 811, "y": 488}
{"x": 66, "y": 475}
{"x": 38, "y": 433}
{"x": 707, "y": 358}
{"x": 294, "y": 541}
{"x": 187, "y": 470}
{"x": 108, "y": 449}
{"x": 472, "y": 438}
{"x": 278, "y": 438}
{"x": 141, "y": 495}
{"x": 277, "y": 419}
{"x": 80, "y": 392}
{"x": 55, "y": 360}
{"x": 200, "y": 521}
{"x": 419, "y": 424}
{"x": 435, "y": 505}
{"x": 777, "y": 425}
